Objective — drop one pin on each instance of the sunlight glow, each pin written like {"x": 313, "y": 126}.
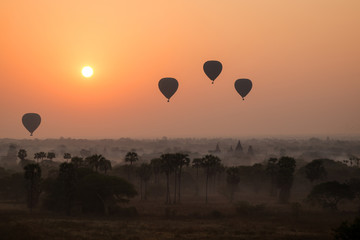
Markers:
{"x": 87, "y": 71}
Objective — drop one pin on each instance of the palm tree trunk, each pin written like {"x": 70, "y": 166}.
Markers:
{"x": 206, "y": 187}
{"x": 141, "y": 195}
{"x": 175, "y": 179}
{"x": 145, "y": 197}
{"x": 179, "y": 185}
{"x": 167, "y": 189}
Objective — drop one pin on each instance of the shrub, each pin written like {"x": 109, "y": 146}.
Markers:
{"x": 348, "y": 231}
{"x": 329, "y": 194}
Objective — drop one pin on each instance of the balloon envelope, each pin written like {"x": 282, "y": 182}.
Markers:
{"x": 243, "y": 86}
{"x": 168, "y": 86}
{"x": 212, "y": 69}
{"x": 31, "y": 121}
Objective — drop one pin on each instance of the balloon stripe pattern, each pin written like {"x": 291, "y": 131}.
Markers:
{"x": 31, "y": 122}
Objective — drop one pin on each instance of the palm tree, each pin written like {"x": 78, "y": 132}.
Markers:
{"x": 175, "y": 163}
{"x": 233, "y": 180}
{"x": 144, "y": 172}
{"x": 131, "y": 157}
{"x": 94, "y": 160}
{"x": 210, "y": 163}
{"x": 104, "y": 165}
{"x": 196, "y": 163}
{"x": 32, "y": 175}
{"x": 315, "y": 170}
{"x": 183, "y": 160}
{"x": 67, "y": 156}
{"x": 167, "y": 168}
{"x": 156, "y": 168}
{"x": 37, "y": 156}
{"x": 50, "y": 155}
{"x": 272, "y": 170}
{"x": 42, "y": 155}
{"x": 22, "y": 154}
{"x": 68, "y": 178}
{"x": 77, "y": 161}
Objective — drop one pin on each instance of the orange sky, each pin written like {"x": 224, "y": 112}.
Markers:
{"x": 303, "y": 57}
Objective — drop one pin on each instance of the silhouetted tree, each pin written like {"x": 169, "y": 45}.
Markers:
{"x": 77, "y": 161}
{"x": 144, "y": 171}
{"x": 37, "y": 156}
{"x": 22, "y": 154}
{"x": 167, "y": 169}
{"x": 175, "y": 166}
{"x": 99, "y": 190}
{"x": 92, "y": 191}
{"x": 68, "y": 180}
{"x": 354, "y": 184}
{"x": 42, "y": 155}
{"x": 216, "y": 172}
{"x": 13, "y": 187}
{"x": 315, "y": 170}
{"x": 272, "y": 170}
{"x": 156, "y": 168}
{"x": 25, "y": 162}
{"x": 32, "y": 175}
{"x": 104, "y": 165}
{"x": 67, "y": 156}
{"x": 131, "y": 157}
{"x": 50, "y": 155}
{"x": 196, "y": 163}
{"x": 233, "y": 180}
{"x": 329, "y": 194}
{"x": 209, "y": 163}
{"x": 94, "y": 160}
{"x": 253, "y": 176}
{"x": 348, "y": 231}
{"x": 285, "y": 177}
{"x": 354, "y": 160}
{"x": 183, "y": 160}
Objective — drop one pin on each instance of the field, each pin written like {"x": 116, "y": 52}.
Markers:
{"x": 96, "y": 212}
{"x": 188, "y": 220}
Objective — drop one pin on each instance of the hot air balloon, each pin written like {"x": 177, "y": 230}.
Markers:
{"x": 168, "y": 87}
{"x": 243, "y": 86}
{"x": 31, "y": 122}
{"x": 212, "y": 69}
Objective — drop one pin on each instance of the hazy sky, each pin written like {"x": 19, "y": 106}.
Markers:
{"x": 303, "y": 57}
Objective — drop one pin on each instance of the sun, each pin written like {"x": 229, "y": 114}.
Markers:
{"x": 87, "y": 71}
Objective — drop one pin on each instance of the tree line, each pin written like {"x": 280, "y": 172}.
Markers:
{"x": 79, "y": 179}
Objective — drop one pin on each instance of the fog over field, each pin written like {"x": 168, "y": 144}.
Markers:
{"x": 301, "y": 148}
{"x": 183, "y": 188}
